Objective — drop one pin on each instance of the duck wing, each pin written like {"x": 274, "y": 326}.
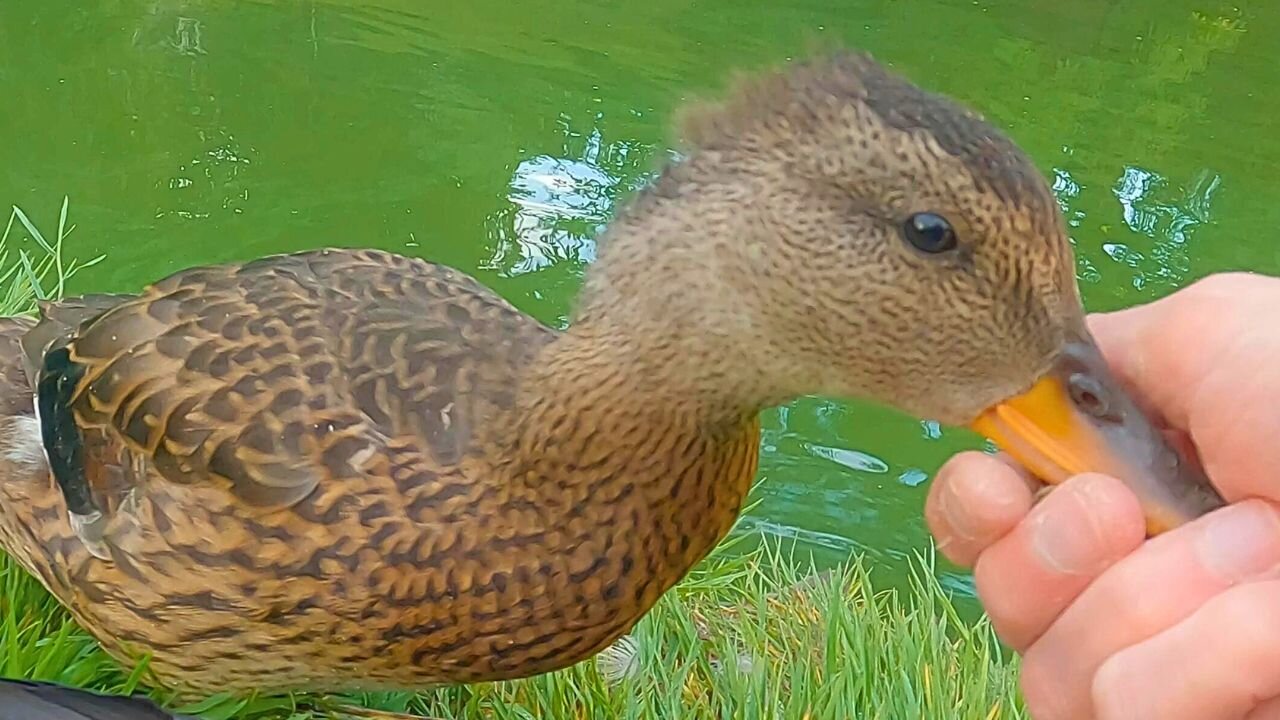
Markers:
{"x": 270, "y": 377}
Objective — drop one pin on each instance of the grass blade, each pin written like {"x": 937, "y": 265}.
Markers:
{"x": 31, "y": 228}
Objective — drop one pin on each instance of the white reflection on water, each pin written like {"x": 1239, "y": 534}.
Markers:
{"x": 560, "y": 202}
{"x": 214, "y": 179}
{"x": 852, "y": 459}
{"x": 555, "y": 198}
{"x": 1167, "y": 214}
{"x": 1158, "y": 219}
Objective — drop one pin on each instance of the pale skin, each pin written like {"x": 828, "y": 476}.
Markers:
{"x": 1111, "y": 626}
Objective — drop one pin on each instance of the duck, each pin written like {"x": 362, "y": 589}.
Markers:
{"x": 349, "y": 469}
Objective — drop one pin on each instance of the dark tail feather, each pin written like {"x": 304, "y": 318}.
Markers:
{"x": 59, "y": 320}
{"x": 31, "y": 700}
{"x": 24, "y": 341}
{"x": 15, "y": 384}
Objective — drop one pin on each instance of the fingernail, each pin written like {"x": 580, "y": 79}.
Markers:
{"x": 1071, "y": 542}
{"x": 1241, "y": 542}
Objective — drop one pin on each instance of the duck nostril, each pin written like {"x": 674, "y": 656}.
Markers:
{"x": 1090, "y": 397}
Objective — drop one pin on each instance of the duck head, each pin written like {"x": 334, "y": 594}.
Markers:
{"x": 836, "y": 230}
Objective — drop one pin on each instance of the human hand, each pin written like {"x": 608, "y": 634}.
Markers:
{"x": 1186, "y": 625}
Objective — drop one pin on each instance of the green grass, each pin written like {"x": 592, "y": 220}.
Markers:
{"x": 751, "y": 633}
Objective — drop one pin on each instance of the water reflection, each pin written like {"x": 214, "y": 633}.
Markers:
{"x": 187, "y": 38}
{"x": 852, "y": 459}
{"x": 1166, "y": 217}
{"x": 913, "y": 477}
{"x": 212, "y": 179}
{"x": 559, "y": 203}
{"x": 1157, "y": 221}
{"x": 837, "y": 470}
{"x": 812, "y": 538}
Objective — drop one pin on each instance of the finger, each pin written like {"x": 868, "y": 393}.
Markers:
{"x": 1268, "y": 710}
{"x": 1218, "y": 663}
{"x": 1029, "y": 576}
{"x": 1202, "y": 359}
{"x": 1166, "y": 348}
{"x": 1158, "y": 585}
{"x": 974, "y": 500}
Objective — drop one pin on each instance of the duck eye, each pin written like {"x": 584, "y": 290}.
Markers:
{"x": 929, "y": 232}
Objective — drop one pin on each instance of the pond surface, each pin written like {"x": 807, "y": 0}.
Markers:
{"x": 498, "y": 137}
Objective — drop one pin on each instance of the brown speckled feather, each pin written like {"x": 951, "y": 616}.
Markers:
{"x": 274, "y": 377}
{"x": 306, "y": 468}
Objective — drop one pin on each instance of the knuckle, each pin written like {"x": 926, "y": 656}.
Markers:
{"x": 1006, "y": 607}
{"x": 1251, "y": 616}
{"x": 1112, "y": 691}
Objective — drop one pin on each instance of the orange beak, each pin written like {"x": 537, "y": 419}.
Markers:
{"x": 1077, "y": 418}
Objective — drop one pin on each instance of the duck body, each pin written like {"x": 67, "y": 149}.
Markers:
{"x": 348, "y": 469}
{"x": 327, "y": 476}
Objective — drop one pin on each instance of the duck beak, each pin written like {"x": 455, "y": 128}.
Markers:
{"x": 1077, "y": 418}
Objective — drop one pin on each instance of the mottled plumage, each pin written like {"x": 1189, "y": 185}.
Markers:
{"x": 310, "y": 474}
{"x": 350, "y": 469}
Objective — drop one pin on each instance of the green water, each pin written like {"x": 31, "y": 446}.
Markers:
{"x": 498, "y": 136}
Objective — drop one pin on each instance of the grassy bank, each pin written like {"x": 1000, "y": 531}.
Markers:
{"x": 749, "y": 634}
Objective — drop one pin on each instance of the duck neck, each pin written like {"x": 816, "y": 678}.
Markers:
{"x": 637, "y": 462}
{"x": 694, "y": 383}
{"x": 651, "y": 397}
{"x": 678, "y": 305}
